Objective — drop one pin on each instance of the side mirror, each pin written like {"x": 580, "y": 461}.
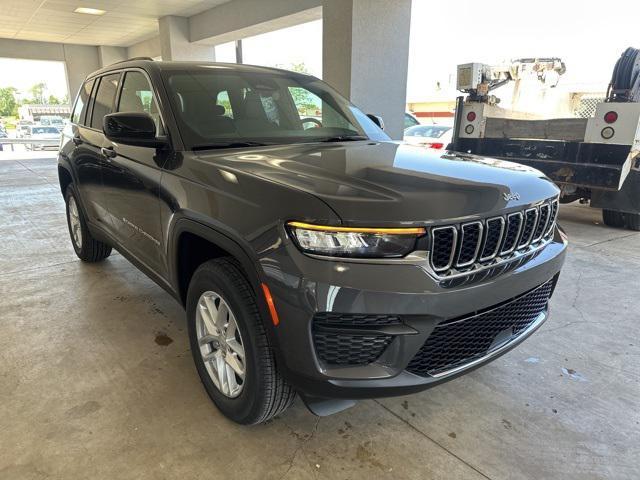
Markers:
{"x": 136, "y": 129}
{"x": 377, "y": 120}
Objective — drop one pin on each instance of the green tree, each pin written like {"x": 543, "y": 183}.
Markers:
{"x": 8, "y": 103}
{"x": 37, "y": 92}
{"x": 53, "y": 100}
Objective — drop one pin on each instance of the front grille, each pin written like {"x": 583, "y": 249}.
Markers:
{"x": 349, "y": 349}
{"x": 347, "y": 339}
{"x": 456, "y": 249}
{"x": 454, "y": 343}
{"x": 355, "y": 319}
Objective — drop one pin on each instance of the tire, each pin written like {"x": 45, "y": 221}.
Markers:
{"x": 263, "y": 393}
{"x": 613, "y": 218}
{"x": 632, "y": 221}
{"x": 87, "y": 248}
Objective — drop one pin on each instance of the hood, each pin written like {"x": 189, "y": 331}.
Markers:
{"x": 391, "y": 183}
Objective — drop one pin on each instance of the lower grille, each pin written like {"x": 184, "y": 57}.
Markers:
{"x": 348, "y": 349}
{"x": 456, "y": 342}
{"x": 346, "y": 339}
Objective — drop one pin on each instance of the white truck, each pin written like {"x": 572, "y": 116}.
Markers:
{"x": 595, "y": 160}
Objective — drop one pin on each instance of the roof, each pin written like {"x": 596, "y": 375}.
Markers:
{"x": 150, "y": 64}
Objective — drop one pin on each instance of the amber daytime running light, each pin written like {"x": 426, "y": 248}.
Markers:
{"x": 354, "y": 242}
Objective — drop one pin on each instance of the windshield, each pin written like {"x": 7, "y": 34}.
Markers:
{"x": 42, "y": 130}
{"x": 431, "y": 131}
{"x": 222, "y": 106}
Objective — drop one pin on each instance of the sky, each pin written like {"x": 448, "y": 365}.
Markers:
{"x": 443, "y": 34}
{"x": 22, "y": 74}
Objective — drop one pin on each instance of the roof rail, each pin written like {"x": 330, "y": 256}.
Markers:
{"x": 133, "y": 59}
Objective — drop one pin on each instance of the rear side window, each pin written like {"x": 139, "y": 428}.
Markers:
{"x": 137, "y": 96}
{"x": 104, "y": 99}
{"x": 80, "y": 109}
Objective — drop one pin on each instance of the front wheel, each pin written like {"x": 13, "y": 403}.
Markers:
{"x": 230, "y": 346}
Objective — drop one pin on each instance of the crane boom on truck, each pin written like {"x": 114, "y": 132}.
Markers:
{"x": 596, "y": 160}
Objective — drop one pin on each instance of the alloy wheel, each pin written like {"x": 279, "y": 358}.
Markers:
{"x": 220, "y": 343}
{"x": 74, "y": 222}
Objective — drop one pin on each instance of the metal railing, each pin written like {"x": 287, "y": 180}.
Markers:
{"x": 27, "y": 141}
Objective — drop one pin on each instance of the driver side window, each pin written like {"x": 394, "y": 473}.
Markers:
{"x": 137, "y": 97}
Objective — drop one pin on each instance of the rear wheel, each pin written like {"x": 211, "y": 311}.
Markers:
{"x": 612, "y": 218}
{"x": 633, "y": 221}
{"x": 87, "y": 248}
{"x": 230, "y": 346}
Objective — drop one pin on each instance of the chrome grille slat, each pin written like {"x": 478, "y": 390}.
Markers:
{"x": 528, "y": 227}
{"x": 471, "y": 246}
{"x": 474, "y": 236}
{"x": 489, "y": 229}
{"x": 543, "y": 222}
{"x": 438, "y": 251}
{"x": 553, "y": 218}
{"x": 511, "y": 236}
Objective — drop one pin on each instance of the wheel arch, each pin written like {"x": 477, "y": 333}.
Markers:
{"x": 64, "y": 178}
{"x": 193, "y": 243}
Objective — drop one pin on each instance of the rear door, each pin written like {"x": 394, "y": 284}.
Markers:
{"x": 132, "y": 179}
{"x": 88, "y": 137}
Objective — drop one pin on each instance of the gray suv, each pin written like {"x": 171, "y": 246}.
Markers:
{"x": 313, "y": 255}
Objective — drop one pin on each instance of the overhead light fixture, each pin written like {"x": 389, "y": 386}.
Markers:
{"x": 90, "y": 11}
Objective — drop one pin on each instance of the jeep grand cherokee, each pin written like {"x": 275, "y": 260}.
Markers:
{"x": 312, "y": 254}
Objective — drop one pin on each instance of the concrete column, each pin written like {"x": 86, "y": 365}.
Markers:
{"x": 365, "y": 55}
{"x": 175, "y": 43}
{"x": 80, "y": 61}
{"x": 109, "y": 55}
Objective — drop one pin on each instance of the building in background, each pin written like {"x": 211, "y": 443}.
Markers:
{"x": 34, "y": 112}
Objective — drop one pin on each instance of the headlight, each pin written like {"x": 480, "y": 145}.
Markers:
{"x": 354, "y": 242}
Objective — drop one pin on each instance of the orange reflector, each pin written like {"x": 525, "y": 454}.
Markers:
{"x": 270, "y": 304}
{"x": 328, "y": 228}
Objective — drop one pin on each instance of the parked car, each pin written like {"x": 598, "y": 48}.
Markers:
{"x": 48, "y": 135}
{"x": 328, "y": 261}
{"x": 410, "y": 120}
{"x": 430, "y": 136}
{"x": 22, "y": 127}
{"x": 52, "y": 121}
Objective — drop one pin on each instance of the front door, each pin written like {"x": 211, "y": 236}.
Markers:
{"x": 131, "y": 179}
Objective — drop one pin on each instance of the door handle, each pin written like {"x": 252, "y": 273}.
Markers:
{"x": 108, "y": 152}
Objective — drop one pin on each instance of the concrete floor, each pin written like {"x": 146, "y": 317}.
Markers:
{"x": 89, "y": 389}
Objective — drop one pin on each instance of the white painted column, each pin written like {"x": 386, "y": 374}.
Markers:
{"x": 365, "y": 55}
{"x": 175, "y": 43}
{"x": 109, "y": 55}
{"x": 80, "y": 61}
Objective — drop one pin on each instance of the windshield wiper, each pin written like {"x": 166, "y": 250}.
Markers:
{"x": 343, "y": 138}
{"x": 213, "y": 146}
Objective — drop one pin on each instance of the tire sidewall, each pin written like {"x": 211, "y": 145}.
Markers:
{"x": 246, "y": 405}
{"x": 70, "y": 192}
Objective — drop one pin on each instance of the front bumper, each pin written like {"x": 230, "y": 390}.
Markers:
{"x": 303, "y": 287}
